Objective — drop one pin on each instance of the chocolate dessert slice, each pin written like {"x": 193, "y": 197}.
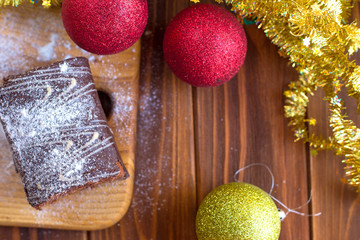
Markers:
{"x": 57, "y": 130}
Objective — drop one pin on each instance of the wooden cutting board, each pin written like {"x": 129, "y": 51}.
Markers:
{"x": 31, "y": 36}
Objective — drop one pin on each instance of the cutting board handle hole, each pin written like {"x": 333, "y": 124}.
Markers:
{"x": 106, "y": 102}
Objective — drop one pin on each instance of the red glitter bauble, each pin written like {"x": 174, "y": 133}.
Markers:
{"x": 205, "y": 45}
{"x": 104, "y": 26}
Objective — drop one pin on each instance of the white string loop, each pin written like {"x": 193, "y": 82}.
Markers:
{"x": 257, "y": 164}
{"x": 288, "y": 210}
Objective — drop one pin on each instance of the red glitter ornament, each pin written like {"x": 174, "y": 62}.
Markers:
{"x": 205, "y": 45}
{"x": 104, "y": 26}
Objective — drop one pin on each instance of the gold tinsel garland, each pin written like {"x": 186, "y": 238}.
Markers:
{"x": 45, "y": 3}
{"x": 318, "y": 41}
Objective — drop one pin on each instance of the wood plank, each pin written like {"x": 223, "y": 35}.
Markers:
{"x": 51, "y": 234}
{"x": 242, "y": 122}
{"x": 9, "y": 233}
{"x": 30, "y": 37}
{"x": 339, "y": 203}
{"x": 164, "y": 201}
{"x": 16, "y": 233}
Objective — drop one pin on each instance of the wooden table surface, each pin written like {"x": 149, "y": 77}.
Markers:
{"x": 190, "y": 140}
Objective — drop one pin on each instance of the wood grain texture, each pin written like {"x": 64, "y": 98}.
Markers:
{"x": 242, "y": 123}
{"x": 339, "y": 203}
{"x": 190, "y": 140}
{"x": 50, "y": 234}
{"x": 16, "y": 233}
{"x": 104, "y": 205}
{"x": 9, "y": 233}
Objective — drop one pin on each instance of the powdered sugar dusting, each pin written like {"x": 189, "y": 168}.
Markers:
{"x": 12, "y": 47}
{"x": 6, "y": 162}
{"x": 67, "y": 208}
{"x": 46, "y": 53}
{"x": 51, "y": 118}
{"x": 64, "y": 67}
{"x": 123, "y": 110}
{"x": 55, "y": 45}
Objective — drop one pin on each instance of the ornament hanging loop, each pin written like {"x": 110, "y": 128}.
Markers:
{"x": 288, "y": 210}
{"x": 253, "y": 165}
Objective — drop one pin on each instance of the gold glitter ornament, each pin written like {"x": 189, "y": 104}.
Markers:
{"x": 238, "y": 211}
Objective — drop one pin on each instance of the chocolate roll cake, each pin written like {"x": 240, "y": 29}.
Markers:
{"x": 58, "y": 132}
